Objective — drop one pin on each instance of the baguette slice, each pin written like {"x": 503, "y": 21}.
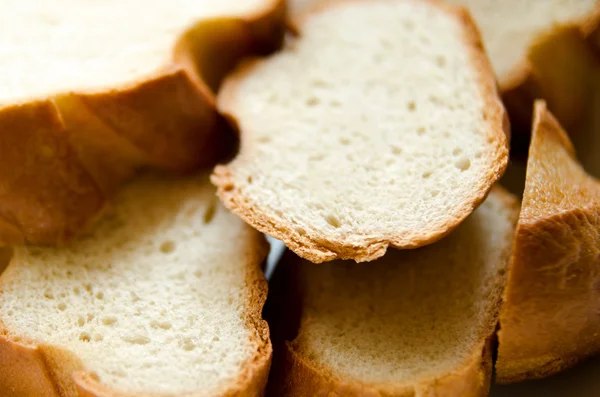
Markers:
{"x": 94, "y": 90}
{"x": 413, "y": 323}
{"x": 549, "y": 319}
{"x": 164, "y": 298}
{"x": 541, "y": 49}
{"x": 372, "y": 128}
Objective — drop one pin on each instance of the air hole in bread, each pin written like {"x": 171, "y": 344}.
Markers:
{"x": 187, "y": 344}
{"x": 434, "y": 193}
{"x": 48, "y": 295}
{"x": 109, "y": 320}
{"x": 463, "y": 164}
{"x": 456, "y": 151}
{"x": 427, "y": 174}
{"x": 249, "y": 179}
{"x": 85, "y": 337}
{"x": 386, "y": 43}
{"x": 198, "y": 274}
{"x": 397, "y": 150}
{"x": 161, "y": 324}
{"x": 167, "y": 247}
{"x": 312, "y": 101}
{"x": 333, "y": 221}
{"x": 412, "y": 106}
{"x": 421, "y": 131}
{"x": 136, "y": 339}
{"x": 62, "y": 306}
{"x": 264, "y": 139}
{"x": 344, "y": 140}
{"x": 80, "y": 321}
{"x": 440, "y": 61}
{"x": 300, "y": 231}
{"x": 98, "y": 337}
{"x": 76, "y": 291}
{"x": 209, "y": 214}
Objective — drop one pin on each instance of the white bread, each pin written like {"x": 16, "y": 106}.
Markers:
{"x": 94, "y": 90}
{"x": 549, "y": 319}
{"x": 413, "y": 323}
{"x": 371, "y": 129}
{"x": 541, "y": 49}
{"x": 163, "y": 298}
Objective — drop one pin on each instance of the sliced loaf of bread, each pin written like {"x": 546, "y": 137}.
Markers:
{"x": 413, "y": 323}
{"x": 94, "y": 90}
{"x": 163, "y": 298}
{"x": 378, "y": 126}
{"x": 549, "y": 319}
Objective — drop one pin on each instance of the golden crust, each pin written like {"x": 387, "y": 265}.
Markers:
{"x": 64, "y": 156}
{"x": 38, "y": 370}
{"x": 559, "y": 68}
{"x": 320, "y": 248}
{"x": 549, "y": 319}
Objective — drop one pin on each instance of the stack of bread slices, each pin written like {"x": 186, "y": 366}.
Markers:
{"x": 146, "y": 148}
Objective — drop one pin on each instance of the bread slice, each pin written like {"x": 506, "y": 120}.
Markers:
{"x": 541, "y": 49}
{"x": 549, "y": 319}
{"x": 358, "y": 136}
{"x": 94, "y": 90}
{"x": 164, "y": 298}
{"x": 413, "y": 323}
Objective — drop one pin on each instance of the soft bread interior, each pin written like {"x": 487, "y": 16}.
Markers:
{"x": 371, "y": 124}
{"x": 154, "y": 300}
{"x": 509, "y": 27}
{"x": 56, "y": 46}
{"x": 410, "y": 316}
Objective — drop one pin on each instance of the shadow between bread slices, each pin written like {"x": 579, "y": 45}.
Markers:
{"x": 549, "y": 319}
{"x": 342, "y": 159}
{"x": 78, "y": 145}
{"x": 412, "y": 323}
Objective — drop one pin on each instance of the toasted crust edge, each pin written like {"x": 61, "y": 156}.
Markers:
{"x": 318, "y": 249}
{"x": 131, "y": 118}
{"x": 557, "y": 350}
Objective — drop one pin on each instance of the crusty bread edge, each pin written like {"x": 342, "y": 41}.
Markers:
{"x": 512, "y": 369}
{"x": 320, "y": 250}
{"x": 40, "y": 370}
{"x": 175, "y": 102}
{"x": 296, "y": 376}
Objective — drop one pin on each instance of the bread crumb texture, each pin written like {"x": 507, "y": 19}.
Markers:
{"x": 153, "y": 300}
